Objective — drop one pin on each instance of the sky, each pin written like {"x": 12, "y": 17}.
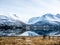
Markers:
{"x": 26, "y": 9}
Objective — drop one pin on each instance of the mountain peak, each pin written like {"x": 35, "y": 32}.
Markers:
{"x": 48, "y": 15}
{"x": 58, "y": 15}
{"x": 46, "y": 18}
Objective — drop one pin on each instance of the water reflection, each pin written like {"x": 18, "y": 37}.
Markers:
{"x": 11, "y": 32}
{"x": 16, "y": 32}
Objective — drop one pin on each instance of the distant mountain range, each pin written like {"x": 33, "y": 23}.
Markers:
{"x": 8, "y": 20}
{"x": 19, "y": 27}
{"x": 49, "y": 18}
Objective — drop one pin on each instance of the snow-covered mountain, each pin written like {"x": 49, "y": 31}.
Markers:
{"x": 47, "y": 18}
{"x": 8, "y": 20}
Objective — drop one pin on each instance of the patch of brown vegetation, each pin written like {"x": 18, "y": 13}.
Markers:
{"x": 38, "y": 40}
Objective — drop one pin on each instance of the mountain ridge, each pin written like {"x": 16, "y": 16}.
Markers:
{"x": 47, "y": 19}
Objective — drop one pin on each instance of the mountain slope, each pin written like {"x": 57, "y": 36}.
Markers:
{"x": 29, "y": 33}
{"x": 8, "y": 20}
{"x": 10, "y": 26}
{"x": 47, "y": 18}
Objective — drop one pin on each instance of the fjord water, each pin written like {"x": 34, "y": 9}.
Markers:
{"x": 20, "y": 32}
{"x": 11, "y": 32}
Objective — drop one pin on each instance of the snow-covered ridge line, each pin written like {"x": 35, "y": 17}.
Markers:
{"x": 47, "y": 17}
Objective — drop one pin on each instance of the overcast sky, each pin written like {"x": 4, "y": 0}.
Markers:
{"x": 26, "y": 9}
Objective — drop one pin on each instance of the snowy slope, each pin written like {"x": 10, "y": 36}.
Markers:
{"x": 54, "y": 33}
{"x": 9, "y": 20}
{"x": 53, "y": 19}
{"x": 26, "y": 33}
{"x": 29, "y": 33}
{"x": 33, "y": 20}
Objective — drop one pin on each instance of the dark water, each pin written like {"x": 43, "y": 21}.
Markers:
{"x": 44, "y": 32}
{"x": 15, "y": 32}
{"x": 11, "y": 32}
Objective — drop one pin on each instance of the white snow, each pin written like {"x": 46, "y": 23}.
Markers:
{"x": 46, "y": 17}
{"x": 29, "y": 33}
{"x": 53, "y": 34}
